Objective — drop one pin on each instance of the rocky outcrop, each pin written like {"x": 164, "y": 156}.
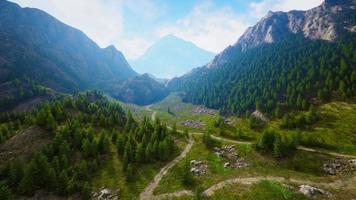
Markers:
{"x": 259, "y": 115}
{"x": 339, "y": 165}
{"x": 198, "y": 168}
{"x": 325, "y": 22}
{"x": 106, "y": 194}
{"x": 311, "y": 191}
{"x": 227, "y": 152}
{"x": 193, "y": 124}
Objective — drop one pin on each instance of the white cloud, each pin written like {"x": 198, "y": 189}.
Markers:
{"x": 134, "y": 47}
{"x": 206, "y": 25}
{"x": 259, "y": 9}
{"x": 100, "y": 20}
{"x": 210, "y": 28}
{"x": 146, "y": 9}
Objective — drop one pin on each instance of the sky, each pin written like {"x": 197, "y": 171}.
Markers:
{"x": 132, "y": 26}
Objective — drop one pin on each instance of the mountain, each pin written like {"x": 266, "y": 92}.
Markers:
{"x": 286, "y": 61}
{"x": 141, "y": 90}
{"x": 323, "y": 22}
{"x": 36, "y": 45}
{"x": 171, "y": 56}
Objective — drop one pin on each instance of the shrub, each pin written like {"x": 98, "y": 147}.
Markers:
{"x": 276, "y": 144}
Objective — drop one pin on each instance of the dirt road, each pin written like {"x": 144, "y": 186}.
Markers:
{"x": 147, "y": 194}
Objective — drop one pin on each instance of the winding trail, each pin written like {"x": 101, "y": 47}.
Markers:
{"x": 147, "y": 194}
{"x": 330, "y": 153}
{"x": 153, "y": 116}
{"x": 174, "y": 194}
{"x": 349, "y": 184}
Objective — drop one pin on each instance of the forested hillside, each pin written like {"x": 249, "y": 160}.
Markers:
{"x": 288, "y": 60}
{"x": 290, "y": 74}
{"x": 36, "y": 45}
{"x": 59, "y": 146}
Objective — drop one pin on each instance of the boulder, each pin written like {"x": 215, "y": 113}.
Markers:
{"x": 311, "y": 191}
{"x": 333, "y": 167}
{"x": 106, "y": 194}
{"x": 198, "y": 168}
{"x": 259, "y": 115}
{"x": 227, "y": 152}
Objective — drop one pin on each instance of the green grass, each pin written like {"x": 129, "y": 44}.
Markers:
{"x": 181, "y": 112}
{"x": 259, "y": 165}
{"x": 112, "y": 176}
{"x": 336, "y": 129}
{"x": 263, "y": 190}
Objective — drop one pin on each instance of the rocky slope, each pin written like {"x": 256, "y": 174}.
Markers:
{"x": 325, "y": 22}
{"x": 284, "y": 60}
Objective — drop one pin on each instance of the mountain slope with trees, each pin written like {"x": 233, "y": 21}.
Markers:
{"x": 140, "y": 90}
{"x": 76, "y": 135}
{"x": 291, "y": 73}
{"x": 35, "y": 45}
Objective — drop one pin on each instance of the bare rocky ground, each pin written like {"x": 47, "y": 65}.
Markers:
{"x": 193, "y": 124}
{"x": 106, "y": 194}
{"x": 339, "y": 165}
{"x": 24, "y": 144}
{"x": 229, "y": 152}
{"x": 259, "y": 115}
{"x": 198, "y": 168}
{"x": 202, "y": 110}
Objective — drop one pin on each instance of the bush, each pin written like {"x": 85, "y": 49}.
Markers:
{"x": 276, "y": 144}
{"x": 257, "y": 124}
{"x": 300, "y": 121}
{"x": 207, "y": 140}
{"x": 4, "y": 192}
{"x": 186, "y": 177}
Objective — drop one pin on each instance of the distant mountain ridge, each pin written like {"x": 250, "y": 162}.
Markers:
{"x": 322, "y": 22}
{"x": 170, "y": 57}
{"x": 35, "y": 44}
{"x": 140, "y": 90}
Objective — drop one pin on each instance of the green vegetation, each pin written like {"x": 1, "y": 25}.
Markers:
{"x": 260, "y": 191}
{"x": 182, "y": 112}
{"x": 276, "y": 144}
{"x": 300, "y": 165}
{"x": 25, "y": 88}
{"x": 144, "y": 144}
{"x": 275, "y": 78}
{"x": 84, "y": 130}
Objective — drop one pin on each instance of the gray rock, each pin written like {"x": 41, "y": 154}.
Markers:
{"x": 333, "y": 167}
{"x": 106, "y": 194}
{"x": 321, "y": 22}
{"x": 310, "y": 191}
{"x": 198, "y": 168}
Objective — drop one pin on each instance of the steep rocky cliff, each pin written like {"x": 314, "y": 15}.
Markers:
{"x": 325, "y": 22}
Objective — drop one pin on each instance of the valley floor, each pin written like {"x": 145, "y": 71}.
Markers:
{"x": 335, "y": 132}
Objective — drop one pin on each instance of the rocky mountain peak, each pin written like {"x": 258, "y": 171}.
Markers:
{"x": 325, "y": 22}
